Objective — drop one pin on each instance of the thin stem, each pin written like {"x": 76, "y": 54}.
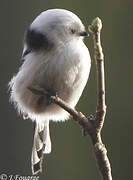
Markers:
{"x": 99, "y": 147}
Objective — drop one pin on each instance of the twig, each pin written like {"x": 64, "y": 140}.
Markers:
{"x": 93, "y": 129}
{"x": 99, "y": 147}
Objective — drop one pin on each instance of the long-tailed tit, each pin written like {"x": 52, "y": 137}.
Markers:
{"x": 56, "y": 59}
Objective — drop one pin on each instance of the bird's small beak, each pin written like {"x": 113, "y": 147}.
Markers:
{"x": 84, "y": 33}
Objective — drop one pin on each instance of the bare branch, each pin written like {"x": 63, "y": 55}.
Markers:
{"x": 95, "y": 29}
{"x": 99, "y": 147}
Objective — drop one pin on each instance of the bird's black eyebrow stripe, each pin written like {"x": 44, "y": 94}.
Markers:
{"x": 36, "y": 40}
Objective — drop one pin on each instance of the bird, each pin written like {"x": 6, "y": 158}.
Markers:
{"x": 56, "y": 59}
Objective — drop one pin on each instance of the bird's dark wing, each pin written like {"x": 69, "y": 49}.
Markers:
{"x": 25, "y": 53}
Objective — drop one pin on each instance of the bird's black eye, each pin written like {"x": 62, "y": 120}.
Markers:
{"x": 73, "y": 31}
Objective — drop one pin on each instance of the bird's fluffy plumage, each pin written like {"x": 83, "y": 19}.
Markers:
{"x": 56, "y": 59}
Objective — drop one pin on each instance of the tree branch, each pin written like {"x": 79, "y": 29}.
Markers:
{"x": 99, "y": 147}
{"x": 93, "y": 128}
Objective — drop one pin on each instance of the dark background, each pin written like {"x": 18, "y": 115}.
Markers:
{"x": 72, "y": 156}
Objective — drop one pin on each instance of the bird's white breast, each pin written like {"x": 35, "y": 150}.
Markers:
{"x": 64, "y": 71}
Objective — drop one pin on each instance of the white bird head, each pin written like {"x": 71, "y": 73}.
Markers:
{"x": 58, "y": 24}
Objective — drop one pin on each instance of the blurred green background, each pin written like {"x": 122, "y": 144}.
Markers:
{"x": 72, "y": 156}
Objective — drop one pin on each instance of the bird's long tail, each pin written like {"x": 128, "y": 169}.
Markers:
{"x": 41, "y": 144}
